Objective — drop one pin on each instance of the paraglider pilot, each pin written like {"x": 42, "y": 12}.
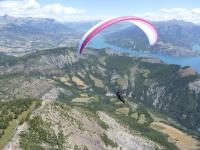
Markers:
{"x": 119, "y": 96}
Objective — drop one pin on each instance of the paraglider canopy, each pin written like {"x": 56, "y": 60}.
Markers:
{"x": 143, "y": 24}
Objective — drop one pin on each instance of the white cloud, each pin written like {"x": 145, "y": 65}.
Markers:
{"x": 173, "y": 10}
{"x": 59, "y": 9}
{"x": 31, "y": 8}
{"x": 191, "y": 15}
{"x": 196, "y": 10}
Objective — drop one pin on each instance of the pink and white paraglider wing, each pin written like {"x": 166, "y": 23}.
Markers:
{"x": 83, "y": 41}
{"x": 148, "y": 29}
{"x": 143, "y": 24}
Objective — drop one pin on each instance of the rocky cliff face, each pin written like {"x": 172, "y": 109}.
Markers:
{"x": 167, "y": 88}
{"x": 78, "y": 128}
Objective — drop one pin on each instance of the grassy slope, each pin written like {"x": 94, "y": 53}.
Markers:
{"x": 104, "y": 104}
{"x": 11, "y": 129}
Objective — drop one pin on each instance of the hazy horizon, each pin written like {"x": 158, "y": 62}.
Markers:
{"x": 67, "y": 11}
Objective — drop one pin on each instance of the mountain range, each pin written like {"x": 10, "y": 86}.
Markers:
{"x": 175, "y": 37}
{"x": 157, "y": 96}
{"x": 19, "y": 36}
{"x": 24, "y": 35}
{"x": 53, "y": 98}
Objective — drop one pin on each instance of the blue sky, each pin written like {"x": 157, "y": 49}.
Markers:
{"x": 125, "y": 7}
{"x": 76, "y": 10}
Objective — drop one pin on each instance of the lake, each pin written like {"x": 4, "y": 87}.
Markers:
{"x": 193, "y": 61}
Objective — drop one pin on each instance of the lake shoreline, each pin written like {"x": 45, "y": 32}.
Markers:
{"x": 192, "y": 61}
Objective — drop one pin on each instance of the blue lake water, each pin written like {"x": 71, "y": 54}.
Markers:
{"x": 194, "y": 62}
